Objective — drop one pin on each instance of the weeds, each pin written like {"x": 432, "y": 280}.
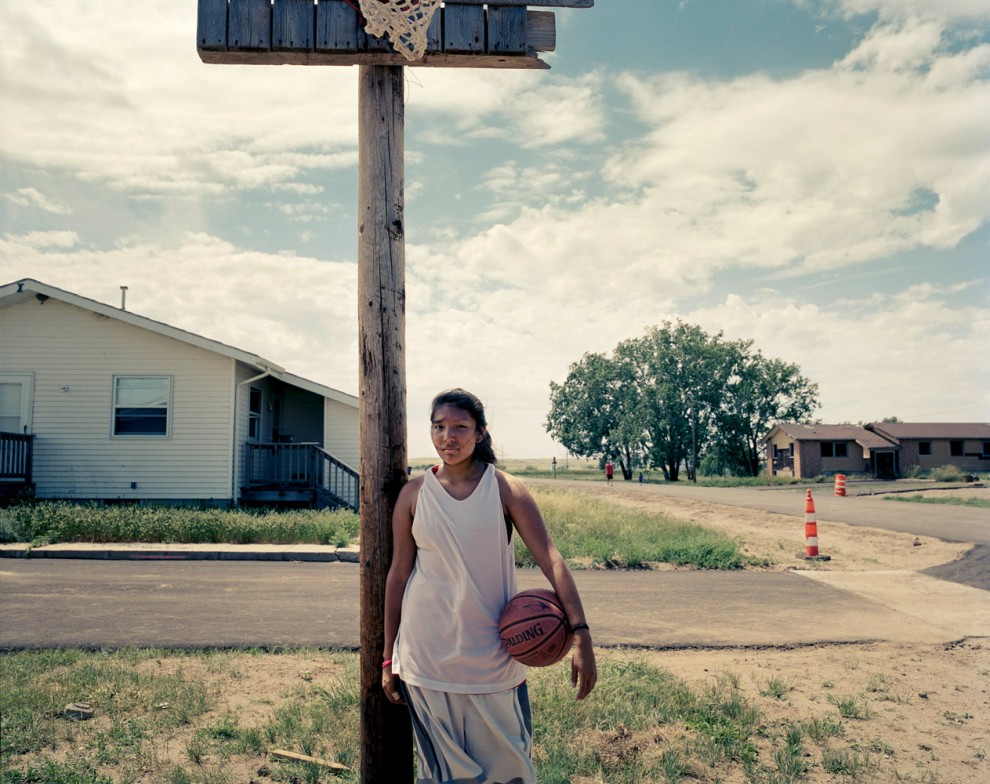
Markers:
{"x": 775, "y": 687}
{"x": 851, "y": 707}
{"x": 953, "y": 500}
{"x": 590, "y": 528}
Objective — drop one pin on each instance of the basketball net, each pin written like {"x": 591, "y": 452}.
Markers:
{"x": 405, "y": 22}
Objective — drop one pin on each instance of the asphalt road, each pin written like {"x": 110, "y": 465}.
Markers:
{"x": 51, "y": 602}
{"x": 115, "y": 603}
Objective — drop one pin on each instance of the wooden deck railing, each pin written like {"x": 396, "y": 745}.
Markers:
{"x": 16, "y": 458}
{"x": 301, "y": 468}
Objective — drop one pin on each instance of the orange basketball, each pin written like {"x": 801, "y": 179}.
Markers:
{"x": 534, "y": 628}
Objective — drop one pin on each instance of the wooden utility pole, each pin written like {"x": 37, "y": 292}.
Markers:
{"x": 386, "y": 738}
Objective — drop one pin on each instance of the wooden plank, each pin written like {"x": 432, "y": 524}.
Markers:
{"x": 293, "y": 24}
{"x": 429, "y": 60}
{"x": 541, "y": 31}
{"x": 292, "y": 756}
{"x": 507, "y": 29}
{"x": 336, "y": 27}
{"x": 463, "y": 28}
{"x": 250, "y": 25}
{"x": 541, "y": 3}
{"x": 211, "y": 25}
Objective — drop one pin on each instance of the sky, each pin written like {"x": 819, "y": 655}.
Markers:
{"x": 811, "y": 175}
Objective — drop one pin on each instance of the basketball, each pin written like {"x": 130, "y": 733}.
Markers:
{"x": 534, "y": 628}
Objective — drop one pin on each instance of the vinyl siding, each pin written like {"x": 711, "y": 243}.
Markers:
{"x": 76, "y": 455}
{"x": 341, "y": 437}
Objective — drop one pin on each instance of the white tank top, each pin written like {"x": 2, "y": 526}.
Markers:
{"x": 463, "y": 576}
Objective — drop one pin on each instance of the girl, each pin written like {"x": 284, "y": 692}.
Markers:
{"x": 452, "y": 572}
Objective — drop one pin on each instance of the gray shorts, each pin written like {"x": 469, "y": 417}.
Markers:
{"x": 472, "y": 738}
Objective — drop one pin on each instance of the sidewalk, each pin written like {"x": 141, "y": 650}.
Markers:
{"x": 185, "y": 552}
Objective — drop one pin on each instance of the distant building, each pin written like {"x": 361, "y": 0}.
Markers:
{"x": 880, "y": 449}
{"x": 928, "y": 445}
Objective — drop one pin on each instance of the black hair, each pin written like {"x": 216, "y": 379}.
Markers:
{"x": 464, "y": 400}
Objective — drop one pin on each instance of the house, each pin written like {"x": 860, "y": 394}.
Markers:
{"x": 927, "y": 445}
{"x": 97, "y": 402}
{"x": 811, "y": 450}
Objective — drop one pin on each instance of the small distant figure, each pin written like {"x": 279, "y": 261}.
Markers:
{"x": 609, "y": 472}
{"x": 641, "y": 477}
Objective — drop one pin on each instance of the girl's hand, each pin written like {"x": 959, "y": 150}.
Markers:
{"x": 584, "y": 670}
{"x": 390, "y": 684}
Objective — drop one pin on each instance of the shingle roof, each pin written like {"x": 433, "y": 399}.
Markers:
{"x": 914, "y": 430}
{"x": 860, "y": 435}
{"x": 27, "y": 289}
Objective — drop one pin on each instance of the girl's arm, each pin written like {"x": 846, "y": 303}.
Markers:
{"x": 525, "y": 516}
{"x": 403, "y": 559}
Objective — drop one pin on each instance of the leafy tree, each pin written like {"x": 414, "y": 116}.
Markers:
{"x": 760, "y": 392}
{"x": 585, "y": 411}
{"x": 675, "y": 396}
{"x": 676, "y": 372}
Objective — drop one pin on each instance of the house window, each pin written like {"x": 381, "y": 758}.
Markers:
{"x": 925, "y": 448}
{"x": 986, "y": 448}
{"x": 254, "y": 414}
{"x": 956, "y": 448}
{"x": 141, "y": 405}
{"x": 834, "y": 449}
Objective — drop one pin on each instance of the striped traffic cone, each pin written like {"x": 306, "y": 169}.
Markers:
{"x": 811, "y": 532}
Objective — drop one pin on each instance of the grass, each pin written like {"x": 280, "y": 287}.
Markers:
{"x": 604, "y": 533}
{"x": 981, "y": 503}
{"x": 587, "y": 531}
{"x": 49, "y": 522}
{"x": 185, "y": 717}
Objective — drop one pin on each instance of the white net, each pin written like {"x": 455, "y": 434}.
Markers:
{"x": 405, "y": 22}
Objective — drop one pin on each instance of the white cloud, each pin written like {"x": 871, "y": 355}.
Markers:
{"x": 31, "y": 197}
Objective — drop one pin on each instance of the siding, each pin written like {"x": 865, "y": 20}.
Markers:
{"x": 340, "y": 432}
{"x": 75, "y": 455}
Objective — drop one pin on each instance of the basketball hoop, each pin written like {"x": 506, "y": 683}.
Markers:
{"x": 405, "y": 22}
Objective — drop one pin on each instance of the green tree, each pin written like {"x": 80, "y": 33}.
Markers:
{"x": 673, "y": 397}
{"x": 760, "y": 392}
{"x": 585, "y": 411}
{"x": 677, "y": 373}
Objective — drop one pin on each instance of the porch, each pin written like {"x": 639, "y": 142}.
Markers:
{"x": 303, "y": 475}
{"x": 16, "y": 451}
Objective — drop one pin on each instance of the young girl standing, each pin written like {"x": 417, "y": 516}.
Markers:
{"x": 452, "y": 572}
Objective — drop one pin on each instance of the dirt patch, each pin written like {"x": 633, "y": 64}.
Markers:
{"x": 914, "y": 713}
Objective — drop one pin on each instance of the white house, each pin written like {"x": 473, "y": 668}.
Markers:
{"x": 97, "y": 402}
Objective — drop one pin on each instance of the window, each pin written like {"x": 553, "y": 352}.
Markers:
{"x": 254, "y": 414}
{"x": 141, "y": 405}
{"x": 986, "y": 448}
{"x": 956, "y": 448}
{"x": 835, "y": 449}
{"x": 925, "y": 448}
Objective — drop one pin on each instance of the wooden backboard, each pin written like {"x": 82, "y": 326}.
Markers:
{"x": 462, "y": 34}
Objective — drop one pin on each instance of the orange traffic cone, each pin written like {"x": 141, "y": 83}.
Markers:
{"x": 840, "y": 484}
{"x": 811, "y": 532}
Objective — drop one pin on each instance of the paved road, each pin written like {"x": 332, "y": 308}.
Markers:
{"x": 113, "y": 603}
{"x": 180, "y": 603}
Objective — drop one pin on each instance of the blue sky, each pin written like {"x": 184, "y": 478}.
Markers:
{"x": 811, "y": 175}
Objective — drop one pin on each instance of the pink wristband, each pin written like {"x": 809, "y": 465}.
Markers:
{"x": 386, "y": 663}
